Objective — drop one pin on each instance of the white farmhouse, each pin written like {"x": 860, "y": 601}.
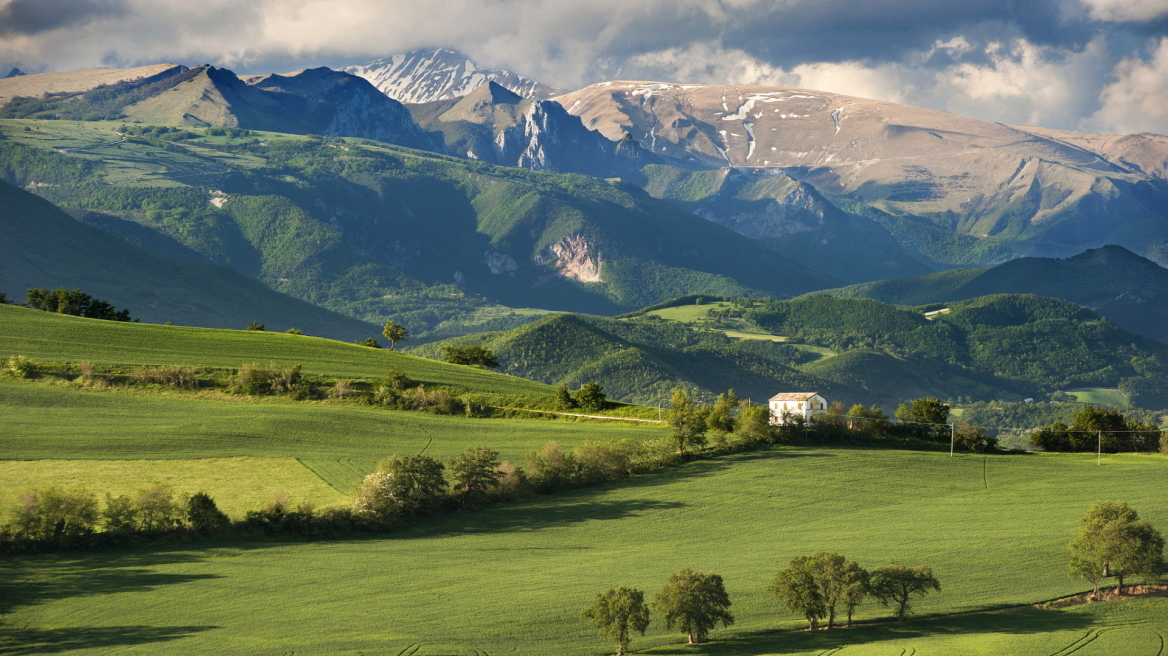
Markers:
{"x": 796, "y": 404}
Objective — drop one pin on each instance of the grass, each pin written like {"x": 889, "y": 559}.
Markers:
{"x": 52, "y": 337}
{"x": 64, "y": 423}
{"x": 1101, "y": 396}
{"x": 237, "y": 484}
{"x": 689, "y": 313}
{"x": 512, "y": 579}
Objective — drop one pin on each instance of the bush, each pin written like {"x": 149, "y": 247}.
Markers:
{"x": 56, "y": 514}
{"x": 597, "y": 462}
{"x": 470, "y": 355}
{"x": 293, "y": 331}
{"x": 564, "y": 400}
{"x": 370, "y": 342}
{"x": 254, "y": 380}
{"x": 19, "y": 366}
{"x": 255, "y": 325}
{"x": 170, "y": 376}
{"x": 551, "y": 468}
{"x": 157, "y": 510}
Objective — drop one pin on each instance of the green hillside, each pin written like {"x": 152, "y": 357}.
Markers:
{"x": 44, "y": 247}
{"x": 1006, "y": 347}
{"x": 368, "y": 229}
{"x": 1118, "y": 284}
{"x": 513, "y": 578}
{"x": 640, "y": 360}
{"x": 53, "y": 337}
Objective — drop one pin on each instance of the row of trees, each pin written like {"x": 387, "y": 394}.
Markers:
{"x": 812, "y": 586}
{"x": 74, "y": 302}
{"x": 1098, "y": 428}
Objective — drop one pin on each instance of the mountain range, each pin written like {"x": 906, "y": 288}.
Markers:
{"x": 422, "y": 76}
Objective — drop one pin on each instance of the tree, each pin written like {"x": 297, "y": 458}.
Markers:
{"x": 294, "y": 331}
{"x": 56, "y": 514}
{"x": 255, "y": 325}
{"x": 689, "y": 424}
{"x": 898, "y": 584}
{"x": 394, "y": 332}
{"x": 695, "y": 603}
{"x": 929, "y": 417}
{"x": 591, "y": 396}
{"x": 1113, "y": 540}
{"x": 204, "y": 516}
{"x": 371, "y": 342}
{"x": 402, "y": 486}
{"x": 74, "y": 302}
{"x": 854, "y": 583}
{"x": 617, "y": 613}
{"x": 472, "y": 355}
{"x": 475, "y": 472}
{"x": 564, "y": 400}
{"x": 720, "y": 420}
{"x": 796, "y": 587}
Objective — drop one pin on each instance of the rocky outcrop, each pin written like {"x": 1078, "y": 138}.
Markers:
{"x": 422, "y": 76}
{"x": 573, "y": 258}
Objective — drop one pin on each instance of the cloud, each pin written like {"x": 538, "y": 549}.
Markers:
{"x": 1137, "y": 99}
{"x": 1126, "y": 10}
{"x": 1052, "y": 61}
{"x": 36, "y": 16}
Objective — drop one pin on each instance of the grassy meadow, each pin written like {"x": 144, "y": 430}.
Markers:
{"x": 59, "y": 338}
{"x": 512, "y": 578}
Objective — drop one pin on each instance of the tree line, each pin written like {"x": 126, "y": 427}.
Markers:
{"x": 73, "y": 302}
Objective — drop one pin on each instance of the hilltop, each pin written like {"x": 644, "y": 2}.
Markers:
{"x": 1130, "y": 290}
{"x": 423, "y": 76}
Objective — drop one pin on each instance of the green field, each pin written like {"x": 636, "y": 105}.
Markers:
{"x": 512, "y": 578}
{"x": 1101, "y": 396}
{"x": 689, "y": 313}
{"x": 238, "y": 484}
{"x": 58, "y": 338}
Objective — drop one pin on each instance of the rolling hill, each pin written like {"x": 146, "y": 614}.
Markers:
{"x": 45, "y": 247}
{"x": 1130, "y": 290}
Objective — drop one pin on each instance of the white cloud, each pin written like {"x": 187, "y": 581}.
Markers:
{"x": 1137, "y": 101}
{"x": 1126, "y": 10}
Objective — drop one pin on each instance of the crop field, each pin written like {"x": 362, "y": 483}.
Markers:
{"x": 238, "y": 484}
{"x": 513, "y": 578}
{"x": 59, "y": 338}
{"x": 1101, "y": 395}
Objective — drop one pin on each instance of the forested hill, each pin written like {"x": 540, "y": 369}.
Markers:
{"x": 1118, "y": 284}
{"x": 43, "y": 246}
{"x": 855, "y": 350}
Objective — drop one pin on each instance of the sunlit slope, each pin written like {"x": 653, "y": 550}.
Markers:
{"x": 47, "y": 336}
{"x": 513, "y": 578}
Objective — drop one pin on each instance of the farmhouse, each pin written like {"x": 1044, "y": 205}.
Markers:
{"x": 787, "y": 405}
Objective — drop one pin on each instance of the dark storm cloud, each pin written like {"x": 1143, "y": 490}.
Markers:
{"x": 36, "y": 16}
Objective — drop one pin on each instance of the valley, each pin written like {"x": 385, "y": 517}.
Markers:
{"x": 449, "y": 351}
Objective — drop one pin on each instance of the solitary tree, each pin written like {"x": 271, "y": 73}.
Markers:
{"x": 695, "y": 603}
{"x": 394, "y": 332}
{"x": 564, "y": 400}
{"x": 617, "y": 613}
{"x": 203, "y": 515}
{"x": 475, "y": 472}
{"x": 898, "y": 584}
{"x": 1113, "y": 540}
{"x": 591, "y": 396}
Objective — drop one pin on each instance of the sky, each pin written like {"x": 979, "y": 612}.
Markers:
{"x": 1088, "y": 65}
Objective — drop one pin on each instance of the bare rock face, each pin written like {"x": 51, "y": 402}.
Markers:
{"x": 573, "y": 258}
{"x": 422, "y": 76}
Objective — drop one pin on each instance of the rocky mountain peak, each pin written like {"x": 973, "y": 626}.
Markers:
{"x": 427, "y": 75}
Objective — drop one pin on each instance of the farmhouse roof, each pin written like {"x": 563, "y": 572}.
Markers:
{"x": 793, "y": 396}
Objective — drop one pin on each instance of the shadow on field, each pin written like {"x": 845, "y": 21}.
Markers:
{"x": 52, "y": 641}
{"x": 524, "y": 517}
{"x": 896, "y": 637}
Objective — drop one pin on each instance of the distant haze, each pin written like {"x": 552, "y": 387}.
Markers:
{"x": 1091, "y": 65}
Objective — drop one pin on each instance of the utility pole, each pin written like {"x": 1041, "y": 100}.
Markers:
{"x": 1099, "y": 453}
{"x": 952, "y": 438}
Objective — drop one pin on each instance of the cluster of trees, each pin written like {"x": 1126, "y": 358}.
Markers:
{"x": 589, "y": 396}
{"x": 1098, "y": 428}
{"x": 1112, "y": 540}
{"x": 471, "y": 355}
{"x": 692, "y": 601}
{"x": 74, "y": 302}
{"x": 62, "y": 516}
{"x": 815, "y": 586}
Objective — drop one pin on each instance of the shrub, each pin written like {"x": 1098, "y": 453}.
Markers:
{"x": 254, "y": 380}
{"x": 370, "y": 342}
{"x": 564, "y": 400}
{"x": 87, "y": 369}
{"x": 397, "y": 379}
{"x": 56, "y": 514}
{"x": 157, "y": 509}
{"x": 169, "y": 376}
{"x": 597, "y": 462}
{"x": 20, "y": 366}
{"x": 342, "y": 389}
{"x": 293, "y": 331}
{"x": 254, "y": 325}
{"x": 470, "y": 355}
{"x": 438, "y": 401}
{"x": 551, "y": 468}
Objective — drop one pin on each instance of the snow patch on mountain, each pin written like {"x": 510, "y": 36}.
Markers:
{"x": 421, "y": 76}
